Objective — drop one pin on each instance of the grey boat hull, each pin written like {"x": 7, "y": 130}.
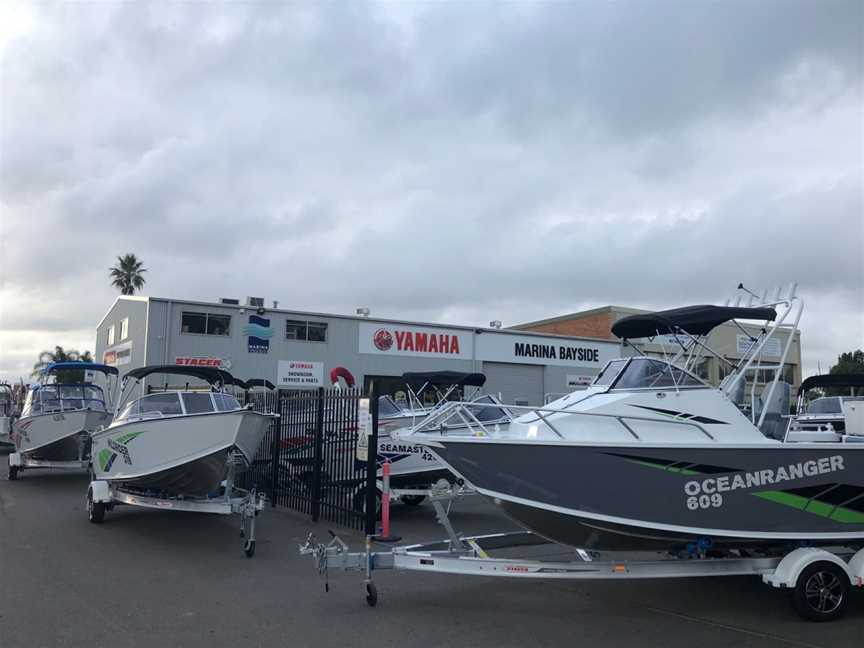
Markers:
{"x": 625, "y": 497}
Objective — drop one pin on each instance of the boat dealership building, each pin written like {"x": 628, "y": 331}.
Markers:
{"x": 295, "y": 349}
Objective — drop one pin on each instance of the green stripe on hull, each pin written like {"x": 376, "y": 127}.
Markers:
{"x": 836, "y": 513}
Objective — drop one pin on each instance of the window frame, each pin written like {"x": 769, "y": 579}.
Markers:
{"x": 124, "y": 329}
{"x": 206, "y": 316}
{"x": 305, "y": 326}
{"x": 111, "y": 335}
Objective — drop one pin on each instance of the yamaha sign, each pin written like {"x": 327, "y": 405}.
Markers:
{"x": 492, "y": 346}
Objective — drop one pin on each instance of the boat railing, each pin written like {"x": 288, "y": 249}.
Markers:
{"x": 461, "y": 411}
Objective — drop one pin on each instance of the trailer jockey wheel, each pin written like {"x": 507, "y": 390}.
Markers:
{"x": 822, "y": 592}
{"x": 371, "y": 595}
{"x": 13, "y": 473}
{"x": 249, "y": 548}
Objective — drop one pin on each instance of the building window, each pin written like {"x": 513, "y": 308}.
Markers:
{"x": 124, "y": 328}
{"x": 306, "y": 331}
{"x": 205, "y": 324}
{"x": 110, "y": 335}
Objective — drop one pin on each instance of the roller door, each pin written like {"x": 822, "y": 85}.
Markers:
{"x": 518, "y": 384}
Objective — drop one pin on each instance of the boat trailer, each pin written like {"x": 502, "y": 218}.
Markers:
{"x": 103, "y": 496}
{"x": 821, "y": 580}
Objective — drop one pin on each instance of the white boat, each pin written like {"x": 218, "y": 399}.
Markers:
{"x": 178, "y": 448}
{"x": 59, "y": 413}
{"x": 7, "y": 414}
{"x": 825, "y": 418}
{"x": 411, "y": 465}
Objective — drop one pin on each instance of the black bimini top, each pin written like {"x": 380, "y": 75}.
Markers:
{"x": 210, "y": 375}
{"x": 695, "y": 320}
{"x": 444, "y": 378}
{"x": 832, "y": 380}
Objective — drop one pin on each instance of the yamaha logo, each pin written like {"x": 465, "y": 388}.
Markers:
{"x": 382, "y": 339}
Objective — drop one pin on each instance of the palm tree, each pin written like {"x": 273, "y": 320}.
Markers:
{"x": 59, "y": 354}
{"x": 127, "y": 275}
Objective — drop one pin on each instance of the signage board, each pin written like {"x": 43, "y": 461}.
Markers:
{"x": 300, "y": 374}
{"x": 575, "y": 381}
{"x": 364, "y": 430}
{"x": 203, "y": 361}
{"x": 773, "y": 346}
{"x": 419, "y": 341}
{"x": 118, "y": 355}
{"x": 258, "y": 333}
{"x": 541, "y": 350}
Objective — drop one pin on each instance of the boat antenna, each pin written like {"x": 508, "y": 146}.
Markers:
{"x": 749, "y": 292}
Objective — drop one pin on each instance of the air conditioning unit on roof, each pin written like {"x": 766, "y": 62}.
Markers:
{"x": 255, "y": 302}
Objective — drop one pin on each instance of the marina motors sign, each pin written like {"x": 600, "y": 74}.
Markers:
{"x": 421, "y": 341}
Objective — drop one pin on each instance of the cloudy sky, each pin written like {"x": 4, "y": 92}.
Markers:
{"x": 454, "y": 162}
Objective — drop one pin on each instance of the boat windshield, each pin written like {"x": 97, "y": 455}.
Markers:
{"x": 387, "y": 407}
{"x": 648, "y": 373}
{"x": 177, "y": 403}
{"x": 609, "y": 372}
{"x": 830, "y": 404}
{"x": 49, "y": 399}
{"x": 488, "y": 414}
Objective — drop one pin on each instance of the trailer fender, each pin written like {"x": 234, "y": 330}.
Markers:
{"x": 15, "y": 459}
{"x": 100, "y": 490}
{"x": 787, "y": 572}
{"x": 856, "y": 569}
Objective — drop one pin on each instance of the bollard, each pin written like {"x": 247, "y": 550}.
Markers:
{"x": 385, "y": 536}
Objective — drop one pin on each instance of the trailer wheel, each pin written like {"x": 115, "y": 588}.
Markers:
{"x": 13, "y": 473}
{"x": 95, "y": 510}
{"x": 822, "y": 592}
{"x": 371, "y": 595}
{"x": 413, "y": 500}
{"x": 360, "y": 502}
{"x": 249, "y": 548}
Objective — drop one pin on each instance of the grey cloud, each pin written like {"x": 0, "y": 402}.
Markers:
{"x": 449, "y": 162}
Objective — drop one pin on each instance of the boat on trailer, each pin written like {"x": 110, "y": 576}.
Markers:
{"x": 651, "y": 458}
{"x": 59, "y": 413}
{"x": 179, "y": 448}
{"x": 7, "y": 414}
{"x": 413, "y": 470}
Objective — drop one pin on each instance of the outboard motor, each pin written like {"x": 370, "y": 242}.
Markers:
{"x": 774, "y": 427}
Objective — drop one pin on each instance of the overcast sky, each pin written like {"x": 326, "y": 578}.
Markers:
{"x": 439, "y": 162}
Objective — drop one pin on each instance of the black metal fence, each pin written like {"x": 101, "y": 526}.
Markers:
{"x": 308, "y": 459}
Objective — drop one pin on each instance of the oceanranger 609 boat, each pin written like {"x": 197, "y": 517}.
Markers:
{"x": 652, "y": 457}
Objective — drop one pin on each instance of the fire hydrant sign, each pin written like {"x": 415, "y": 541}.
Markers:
{"x": 300, "y": 373}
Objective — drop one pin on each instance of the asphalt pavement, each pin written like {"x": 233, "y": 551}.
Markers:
{"x": 167, "y": 579}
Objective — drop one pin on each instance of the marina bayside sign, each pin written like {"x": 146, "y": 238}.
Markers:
{"x": 423, "y": 341}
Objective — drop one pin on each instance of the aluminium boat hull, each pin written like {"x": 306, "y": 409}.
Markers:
{"x": 182, "y": 455}
{"x": 54, "y": 436}
{"x": 625, "y": 497}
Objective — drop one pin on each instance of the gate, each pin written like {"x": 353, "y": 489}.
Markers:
{"x": 308, "y": 459}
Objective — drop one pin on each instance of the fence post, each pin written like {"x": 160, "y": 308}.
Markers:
{"x": 319, "y": 459}
{"x": 372, "y": 465}
{"x": 276, "y": 449}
